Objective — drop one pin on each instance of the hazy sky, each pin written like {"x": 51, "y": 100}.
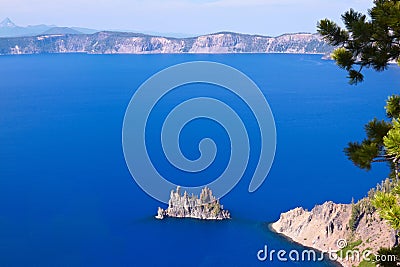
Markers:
{"x": 268, "y": 17}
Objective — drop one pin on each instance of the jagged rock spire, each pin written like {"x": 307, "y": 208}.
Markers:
{"x": 207, "y": 207}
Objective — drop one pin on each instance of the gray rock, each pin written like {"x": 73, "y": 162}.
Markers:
{"x": 136, "y": 43}
{"x": 205, "y": 207}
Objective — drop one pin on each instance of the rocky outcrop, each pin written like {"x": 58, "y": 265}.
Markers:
{"x": 207, "y": 207}
{"x": 325, "y": 225}
{"x": 319, "y": 228}
{"x": 134, "y": 43}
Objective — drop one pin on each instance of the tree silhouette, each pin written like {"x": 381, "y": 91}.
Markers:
{"x": 365, "y": 42}
{"x": 382, "y": 142}
{"x": 373, "y": 42}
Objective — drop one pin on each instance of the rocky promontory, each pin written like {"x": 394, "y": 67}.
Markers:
{"x": 358, "y": 225}
{"x": 205, "y": 207}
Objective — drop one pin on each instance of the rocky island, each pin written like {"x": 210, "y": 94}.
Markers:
{"x": 207, "y": 207}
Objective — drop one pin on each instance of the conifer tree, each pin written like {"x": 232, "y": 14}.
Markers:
{"x": 366, "y": 41}
{"x": 373, "y": 41}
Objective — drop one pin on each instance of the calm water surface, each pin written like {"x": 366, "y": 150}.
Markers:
{"x": 67, "y": 197}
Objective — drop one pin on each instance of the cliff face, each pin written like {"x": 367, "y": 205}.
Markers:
{"x": 132, "y": 43}
{"x": 320, "y": 228}
{"x": 325, "y": 224}
{"x": 207, "y": 207}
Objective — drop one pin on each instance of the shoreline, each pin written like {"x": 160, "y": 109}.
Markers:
{"x": 169, "y": 53}
{"x": 331, "y": 227}
{"x": 336, "y": 263}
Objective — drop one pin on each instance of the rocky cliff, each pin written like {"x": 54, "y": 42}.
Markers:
{"x": 327, "y": 224}
{"x": 133, "y": 43}
{"x": 207, "y": 207}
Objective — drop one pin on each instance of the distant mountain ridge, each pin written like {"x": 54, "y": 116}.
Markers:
{"x": 52, "y": 39}
{"x": 136, "y": 43}
{"x": 7, "y": 23}
{"x": 10, "y": 29}
{"x": 61, "y": 30}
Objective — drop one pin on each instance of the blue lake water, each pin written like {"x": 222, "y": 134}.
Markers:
{"x": 68, "y": 199}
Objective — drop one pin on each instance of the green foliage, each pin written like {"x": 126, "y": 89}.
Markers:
{"x": 372, "y": 42}
{"x": 388, "y": 207}
{"x": 396, "y": 190}
{"x": 383, "y": 200}
{"x": 355, "y": 216}
{"x": 393, "y": 107}
{"x": 382, "y": 142}
{"x": 389, "y": 186}
{"x": 376, "y": 130}
{"x": 350, "y": 247}
{"x": 366, "y": 207}
{"x": 386, "y": 200}
{"x": 366, "y": 263}
{"x": 358, "y": 211}
{"x": 362, "y": 154}
{"x": 366, "y": 41}
{"x": 392, "y": 140}
{"x": 332, "y": 32}
{"x": 344, "y": 58}
{"x": 355, "y": 77}
{"x": 369, "y": 261}
{"x": 386, "y": 186}
{"x": 216, "y": 210}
